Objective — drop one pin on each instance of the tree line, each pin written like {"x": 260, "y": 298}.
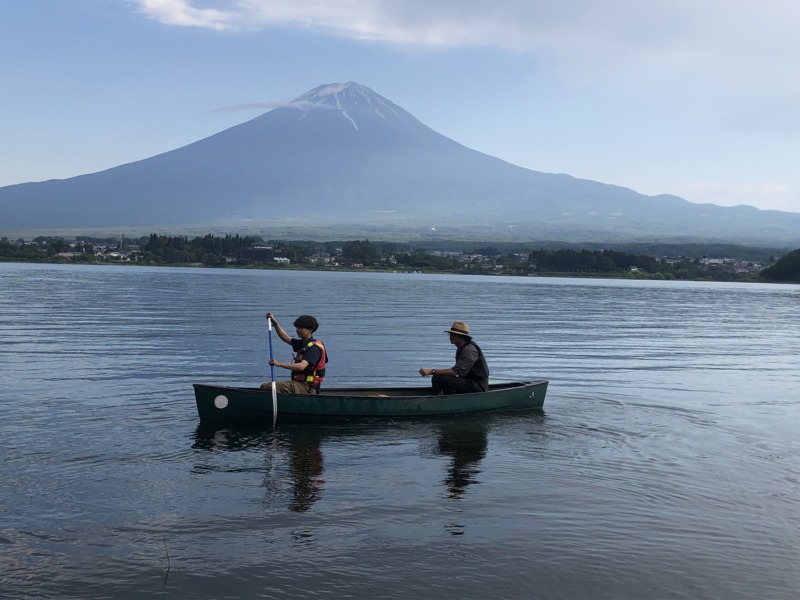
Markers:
{"x": 236, "y": 250}
{"x": 786, "y": 269}
{"x": 207, "y": 250}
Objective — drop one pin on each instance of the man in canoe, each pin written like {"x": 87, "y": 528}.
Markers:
{"x": 469, "y": 374}
{"x": 308, "y": 368}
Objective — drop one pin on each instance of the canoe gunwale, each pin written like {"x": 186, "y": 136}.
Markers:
{"x": 392, "y": 392}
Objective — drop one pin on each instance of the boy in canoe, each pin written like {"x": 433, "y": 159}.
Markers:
{"x": 469, "y": 374}
{"x": 308, "y": 368}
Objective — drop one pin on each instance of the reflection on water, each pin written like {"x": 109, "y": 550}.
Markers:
{"x": 298, "y": 449}
{"x": 464, "y": 441}
{"x": 296, "y": 453}
{"x": 306, "y": 469}
{"x": 210, "y": 437}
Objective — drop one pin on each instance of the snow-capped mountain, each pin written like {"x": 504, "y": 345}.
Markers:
{"x": 343, "y": 154}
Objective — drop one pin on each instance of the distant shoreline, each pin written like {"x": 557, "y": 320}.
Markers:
{"x": 553, "y": 274}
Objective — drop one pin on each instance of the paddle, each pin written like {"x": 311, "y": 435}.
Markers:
{"x": 272, "y": 372}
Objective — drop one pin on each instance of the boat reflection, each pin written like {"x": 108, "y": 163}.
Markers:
{"x": 211, "y": 437}
{"x": 292, "y": 457}
{"x": 299, "y": 449}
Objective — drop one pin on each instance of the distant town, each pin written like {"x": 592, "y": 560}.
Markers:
{"x": 236, "y": 251}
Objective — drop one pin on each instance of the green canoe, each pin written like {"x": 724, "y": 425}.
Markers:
{"x": 222, "y": 404}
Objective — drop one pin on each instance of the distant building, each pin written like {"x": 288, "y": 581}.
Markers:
{"x": 257, "y": 253}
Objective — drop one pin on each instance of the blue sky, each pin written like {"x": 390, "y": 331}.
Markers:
{"x": 695, "y": 98}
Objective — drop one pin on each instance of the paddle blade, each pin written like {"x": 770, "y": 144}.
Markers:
{"x": 274, "y": 404}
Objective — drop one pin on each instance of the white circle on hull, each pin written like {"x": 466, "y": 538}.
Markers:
{"x": 221, "y": 401}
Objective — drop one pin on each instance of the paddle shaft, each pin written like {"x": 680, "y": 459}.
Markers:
{"x": 271, "y": 366}
{"x": 272, "y": 374}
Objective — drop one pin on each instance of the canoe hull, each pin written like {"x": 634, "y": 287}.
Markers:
{"x": 223, "y": 404}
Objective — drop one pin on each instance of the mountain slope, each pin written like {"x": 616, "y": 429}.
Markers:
{"x": 342, "y": 153}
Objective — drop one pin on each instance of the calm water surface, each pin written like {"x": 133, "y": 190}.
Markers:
{"x": 666, "y": 463}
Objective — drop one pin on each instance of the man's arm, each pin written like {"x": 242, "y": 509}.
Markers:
{"x": 311, "y": 357}
{"x": 278, "y": 329}
{"x": 426, "y": 372}
{"x": 301, "y": 366}
{"x": 468, "y": 357}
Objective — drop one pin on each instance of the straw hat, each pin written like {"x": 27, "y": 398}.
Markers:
{"x": 459, "y": 328}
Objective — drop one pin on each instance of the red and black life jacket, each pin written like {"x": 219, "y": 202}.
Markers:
{"x": 314, "y": 374}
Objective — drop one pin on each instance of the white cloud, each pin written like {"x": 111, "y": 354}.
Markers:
{"x": 608, "y": 28}
{"x": 737, "y": 60}
{"x": 184, "y": 14}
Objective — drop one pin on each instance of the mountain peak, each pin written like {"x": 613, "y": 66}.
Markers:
{"x": 331, "y": 93}
{"x": 359, "y": 106}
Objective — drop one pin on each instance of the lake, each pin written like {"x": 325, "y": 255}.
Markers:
{"x": 665, "y": 464}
